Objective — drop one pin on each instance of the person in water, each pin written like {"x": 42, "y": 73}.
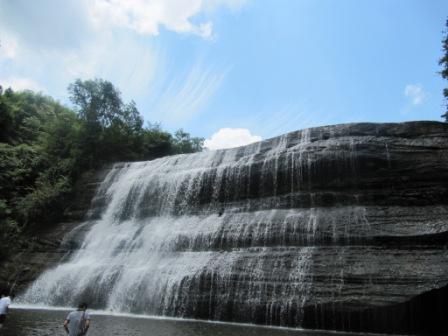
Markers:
{"x": 5, "y": 301}
{"x": 77, "y": 322}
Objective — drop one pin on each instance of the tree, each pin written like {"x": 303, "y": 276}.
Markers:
{"x": 97, "y": 101}
{"x": 183, "y": 143}
{"x": 155, "y": 143}
{"x": 6, "y": 119}
{"x": 444, "y": 63}
{"x": 111, "y": 127}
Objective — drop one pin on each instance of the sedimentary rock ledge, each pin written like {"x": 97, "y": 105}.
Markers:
{"x": 335, "y": 227}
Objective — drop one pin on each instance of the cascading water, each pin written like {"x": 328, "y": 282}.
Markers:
{"x": 182, "y": 232}
{"x": 254, "y": 233}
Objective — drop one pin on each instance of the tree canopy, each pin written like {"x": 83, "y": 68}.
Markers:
{"x": 46, "y": 147}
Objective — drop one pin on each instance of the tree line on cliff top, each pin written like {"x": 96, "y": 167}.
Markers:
{"x": 45, "y": 148}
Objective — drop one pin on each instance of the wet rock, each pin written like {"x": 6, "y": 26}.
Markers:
{"x": 337, "y": 227}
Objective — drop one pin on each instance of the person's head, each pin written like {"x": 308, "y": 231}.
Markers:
{"x": 82, "y": 306}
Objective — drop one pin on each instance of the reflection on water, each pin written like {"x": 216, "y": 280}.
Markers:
{"x": 29, "y": 322}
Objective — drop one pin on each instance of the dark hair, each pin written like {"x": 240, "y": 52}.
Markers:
{"x": 82, "y": 305}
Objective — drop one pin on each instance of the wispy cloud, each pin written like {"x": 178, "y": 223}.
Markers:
{"x": 292, "y": 116}
{"x": 415, "y": 93}
{"x": 184, "y": 98}
{"x": 231, "y": 137}
{"x": 87, "y": 52}
{"x": 55, "y": 42}
{"x": 20, "y": 83}
{"x": 131, "y": 65}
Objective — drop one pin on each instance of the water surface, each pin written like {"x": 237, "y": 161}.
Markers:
{"x": 38, "y": 322}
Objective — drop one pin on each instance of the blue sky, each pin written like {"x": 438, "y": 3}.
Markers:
{"x": 235, "y": 71}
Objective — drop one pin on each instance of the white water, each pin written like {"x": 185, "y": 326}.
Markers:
{"x": 184, "y": 236}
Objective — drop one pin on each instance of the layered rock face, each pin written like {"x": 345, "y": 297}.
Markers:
{"x": 338, "y": 227}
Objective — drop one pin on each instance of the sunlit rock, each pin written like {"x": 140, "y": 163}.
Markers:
{"x": 324, "y": 228}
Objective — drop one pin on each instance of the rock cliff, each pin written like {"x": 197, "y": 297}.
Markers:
{"x": 338, "y": 227}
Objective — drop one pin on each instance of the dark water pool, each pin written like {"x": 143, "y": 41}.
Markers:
{"x": 27, "y": 322}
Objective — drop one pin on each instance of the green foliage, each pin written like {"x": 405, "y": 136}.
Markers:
{"x": 444, "y": 63}
{"x": 44, "y": 203}
{"x": 113, "y": 130}
{"x": 183, "y": 143}
{"x": 9, "y": 230}
{"x": 99, "y": 105}
{"x": 155, "y": 143}
{"x": 45, "y": 147}
{"x": 18, "y": 169}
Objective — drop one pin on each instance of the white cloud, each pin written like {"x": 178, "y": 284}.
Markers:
{"x": 212, "y": 5}
{"x": 231, "y": 137}
{"x": 415, "y": 93}
{"x": 89, "y": 52}
{"x": 8, "y": 47}
{"x": 20, "y": 83}
{"x": 54, "y": 42}
{"x": 147, "y": 16}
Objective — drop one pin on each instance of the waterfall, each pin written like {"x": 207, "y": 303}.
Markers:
{"x": 261, "y": 233}
{"x": 184, "y": 233}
